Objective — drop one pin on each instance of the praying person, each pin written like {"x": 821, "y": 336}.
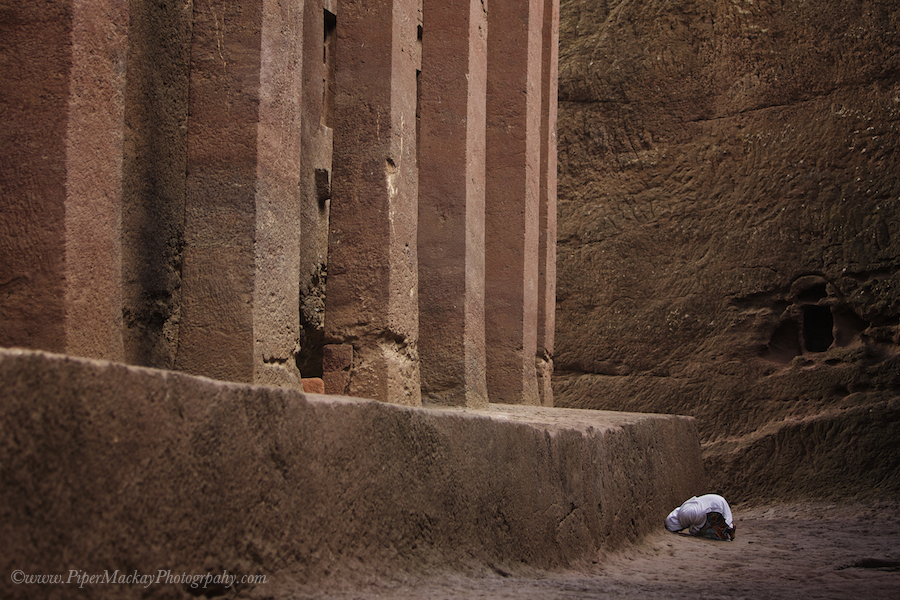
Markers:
{"x": 707, "y": 516}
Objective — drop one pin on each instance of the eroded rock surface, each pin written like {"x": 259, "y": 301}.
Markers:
{"x": 729, "y": 232}
{"x": 106, "y": 465}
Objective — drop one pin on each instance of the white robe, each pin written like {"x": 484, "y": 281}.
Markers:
{"x": 692, "y": 514}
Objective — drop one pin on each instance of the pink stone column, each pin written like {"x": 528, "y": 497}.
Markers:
{"x": 63, "y": 70}
{"x": 513, "y": 187}
{"x": 547, "y": 241}
{"x": 372, "y": 288}
{"x": 241, "y": 256}
{"x": 451, "y": 202}
{"x": 276, "y": 323}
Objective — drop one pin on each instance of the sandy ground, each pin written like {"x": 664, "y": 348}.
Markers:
{"x": 781, "y": 551}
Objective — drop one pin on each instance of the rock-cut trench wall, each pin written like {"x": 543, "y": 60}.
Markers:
{"x": 729, "y": 232}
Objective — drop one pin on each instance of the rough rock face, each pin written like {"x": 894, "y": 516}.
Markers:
{"x": 729, "y": 232}
{"x": 105, "y": 466}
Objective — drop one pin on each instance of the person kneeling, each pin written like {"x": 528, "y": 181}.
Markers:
{"x": 707, "y": 516}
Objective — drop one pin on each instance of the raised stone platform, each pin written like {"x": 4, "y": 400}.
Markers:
{"x": 105, "y": 467}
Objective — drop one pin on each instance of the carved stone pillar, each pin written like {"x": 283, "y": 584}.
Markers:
{"x": 451, "y": 202}
{"x": 372, "y": 284}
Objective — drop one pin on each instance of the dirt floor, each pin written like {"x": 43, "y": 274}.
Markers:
{"x": 781, "y": 551}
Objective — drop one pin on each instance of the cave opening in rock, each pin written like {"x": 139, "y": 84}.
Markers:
{"x": 818, "y": 328}
{"x": 814, "y": 293}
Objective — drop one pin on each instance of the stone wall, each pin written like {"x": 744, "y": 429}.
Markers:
{"x": 113, "y": 467}
{"x": 729, "y": 231}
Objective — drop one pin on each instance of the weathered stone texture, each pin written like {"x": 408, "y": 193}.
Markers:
{"x": 451, "y": 202}
{"x": 121, "y": 467}
{"x": 276, "y": 325}
{"x": 729, "y": 230}
{"x": 319, "y": 47}
{"x": 546, "y": 333}
{"x": 62, "y": 175}
{"x": 372, "y": 265}
{"x": 35, "y": 59}
{"x": 512, "y": 205}
{"x": 220, "y": 211}
{"x": 94, "y": 141}
{"x": 154, "y": 166}
{"x": 239, "y": 318}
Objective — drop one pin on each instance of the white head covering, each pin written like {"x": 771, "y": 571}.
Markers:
{"x": 691, "y": 513}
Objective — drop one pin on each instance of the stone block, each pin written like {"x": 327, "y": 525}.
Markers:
{"x": 337, "y": 360}
{"x": 313, "y": 385}
{"x": 336, "y": 382}
{"x": 97, "y": 458}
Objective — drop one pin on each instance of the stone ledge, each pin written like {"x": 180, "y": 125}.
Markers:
{"x": 106, "y": 466}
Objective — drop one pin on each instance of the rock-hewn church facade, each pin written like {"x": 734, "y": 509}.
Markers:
{"x": 185, "y": 182}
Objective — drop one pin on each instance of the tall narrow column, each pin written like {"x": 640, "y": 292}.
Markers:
{"x": 63, "y": 77}
{"x": 512, "y": 210}
{"x": 241, "y": 257}
{"x": 156, "y": 111}
{"x": 451, "y": 202}
{"x": 276, "y": 322}
{"x": 372, "y": 306}
{"x": 547, "y": 240}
